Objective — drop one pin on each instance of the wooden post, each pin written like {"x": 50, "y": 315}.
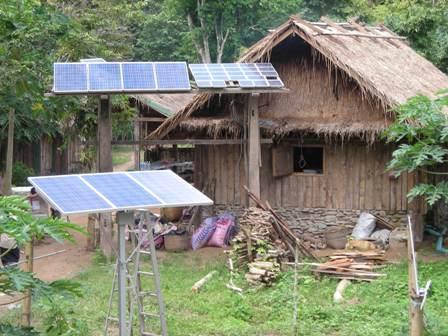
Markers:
{"x": 254, "y": 146}
{"x": 7, "y": 180}
{"x": 26, "y": 308}
{"x": 92, "y": 234}
{"x": 137, "y": 145}
{"x": 415, "y": 300}
{"x": 104, "y": 152}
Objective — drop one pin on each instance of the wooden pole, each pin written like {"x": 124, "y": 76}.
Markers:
{"x": 104, "y": 152}
{"x": 137, "y": 145}
{"x": 415, "y": 300}
{"x": 26, "y": 308}
{"x": 7, "y": 181}
{"x": 254, "y": 146}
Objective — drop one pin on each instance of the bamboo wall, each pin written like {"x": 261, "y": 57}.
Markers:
{"x": 354, "y": 178}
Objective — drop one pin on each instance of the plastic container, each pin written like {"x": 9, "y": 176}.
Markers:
{"x": 337, "y": 237}
{"x": 177, "y": 243}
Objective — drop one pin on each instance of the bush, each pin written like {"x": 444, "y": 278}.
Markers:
{"x": 20, "y": 172}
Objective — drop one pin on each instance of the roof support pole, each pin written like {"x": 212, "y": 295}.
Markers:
{"x": 137, "y": 146}
{"x": 254, "y": 148}
{"x": 104, "y": 164}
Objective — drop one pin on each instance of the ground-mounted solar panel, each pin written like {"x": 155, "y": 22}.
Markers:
{"x": 70, "y": 194}
{"x": 172, "y": 76}
{"x": 138, "y": 76}
{"x": 105, "y": 77}
{"x": 121, "y": 190}
{"x": 107, "y": 192}
{"x": 70, "y": 77}
{"x": 117, "y": 77}
{"x": 243, "y": 75}
{"x": 170, "y": 188}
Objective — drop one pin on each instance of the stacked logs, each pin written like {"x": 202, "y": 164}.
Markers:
{"x": 258, "y": 247}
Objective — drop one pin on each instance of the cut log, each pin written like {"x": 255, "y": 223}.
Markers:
{"x": 197, "y": 286}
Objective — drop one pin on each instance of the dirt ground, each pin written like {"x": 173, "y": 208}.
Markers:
{"x": 67, "y": 264}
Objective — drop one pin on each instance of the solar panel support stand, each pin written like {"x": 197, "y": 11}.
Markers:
{"x": 122, "y": 220}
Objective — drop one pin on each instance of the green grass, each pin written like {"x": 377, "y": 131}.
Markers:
{"x": 371, "y": 309}
{"x": 121, "y": 154}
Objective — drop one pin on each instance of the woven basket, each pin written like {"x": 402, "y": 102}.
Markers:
{"x": 176, "y": 243}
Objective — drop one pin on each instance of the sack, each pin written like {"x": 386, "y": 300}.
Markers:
{"x": 364, "y": 227}
{"x": 224, "y": 224}
{"x": 203, "y": 233}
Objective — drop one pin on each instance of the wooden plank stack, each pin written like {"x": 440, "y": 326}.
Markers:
{"x": 352, "y": 265}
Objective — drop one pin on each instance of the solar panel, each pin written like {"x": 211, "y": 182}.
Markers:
{"x": 170, "y": 188}
{"x": 138, "y": 76}
{"x": 70, "y": 77}
{"x": 105, "y": 77}
{"x": 114, "y": 77}
{"x": 71, "y": 193}
{"x": 172, "y": 76}
{"x": 244, "y": 75}
{"x": 107, "y": 192}
{"x": 121, "y": 190}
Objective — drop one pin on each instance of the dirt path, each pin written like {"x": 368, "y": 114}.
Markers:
{"x": 128, "y": 165}
{"x": 65, "y": 265}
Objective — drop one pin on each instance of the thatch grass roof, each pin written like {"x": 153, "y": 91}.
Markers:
{"x": 381, "y": 63}
{"x": 166, "y": 104}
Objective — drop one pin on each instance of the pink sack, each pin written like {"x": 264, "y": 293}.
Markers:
{"x": 223, "y": 224}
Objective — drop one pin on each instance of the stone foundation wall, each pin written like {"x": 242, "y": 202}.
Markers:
{"x": 315, "y": 221}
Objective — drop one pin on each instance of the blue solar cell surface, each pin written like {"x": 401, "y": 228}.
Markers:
{"x": 247, "y": 75}
{"x": 170, "y": 188}
{"x": 121, "y": 190}
{"x": 70, "y": 193}
{"x": 172, "y": 76}
{"x": 105, "y": 77}
{"x": 138, "y": 76}
{"x": 70, "y": 77}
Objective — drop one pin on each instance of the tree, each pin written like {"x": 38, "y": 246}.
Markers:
{"x": 217, "y": 28}
{"x": 17, "y": 222}
{"x": 421, "y": 132}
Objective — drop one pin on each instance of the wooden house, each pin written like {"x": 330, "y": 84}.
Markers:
{"x": 152, "y": 111}
{"x": 315, "y": 153}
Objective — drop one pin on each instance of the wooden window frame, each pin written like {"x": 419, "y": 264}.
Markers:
{"x": 324, "y": 170}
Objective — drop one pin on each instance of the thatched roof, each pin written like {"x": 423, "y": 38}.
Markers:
{"x": 381, "y": 63}
{"x": 166, "y": 104}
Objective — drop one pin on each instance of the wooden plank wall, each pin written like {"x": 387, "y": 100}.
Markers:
{"x": 221, "y": 167}
{"x": 354, "y": 178}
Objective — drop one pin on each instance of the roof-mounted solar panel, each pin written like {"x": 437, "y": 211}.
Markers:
{"x": 243, "y": 75}
{"x": 117, "y": 77}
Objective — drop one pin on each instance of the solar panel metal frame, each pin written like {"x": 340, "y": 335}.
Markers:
{"x": 114, "y": 208}
{"x": 122, "y": 88}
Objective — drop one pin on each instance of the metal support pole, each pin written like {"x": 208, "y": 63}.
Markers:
{"x": 122, "y": 279}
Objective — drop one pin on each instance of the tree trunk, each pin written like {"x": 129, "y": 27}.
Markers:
{"x": 7, "y": 181}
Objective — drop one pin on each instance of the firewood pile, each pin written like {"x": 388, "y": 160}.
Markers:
{"x": 359, "y": 266}
{"x": 258, "y": 246}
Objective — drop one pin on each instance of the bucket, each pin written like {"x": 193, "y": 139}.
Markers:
{"x": 171, "y": 214}
{"x": 337, "y": 237}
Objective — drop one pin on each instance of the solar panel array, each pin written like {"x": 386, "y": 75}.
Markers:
{"x": 243, "y": 75}
{"x": 115, "y": 77}
{"x": 107, "y": 192}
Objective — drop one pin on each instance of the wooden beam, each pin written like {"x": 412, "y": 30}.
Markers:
{"x": 136, "y": 145}
{"x": 254, "y": 150}
{"x": 150, "y": 119}
{"x": 104, "y": 164}
{"x": 187, "y": 142}
{"x": 362, "y": 35}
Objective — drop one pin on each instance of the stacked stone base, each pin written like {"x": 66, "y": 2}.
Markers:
{"x": 313, "y": 222}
